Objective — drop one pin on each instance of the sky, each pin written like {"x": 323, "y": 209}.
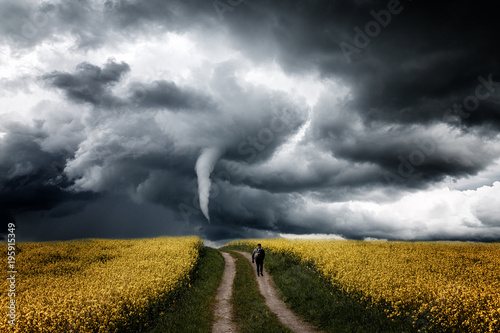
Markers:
{"x": 233, "y": 119}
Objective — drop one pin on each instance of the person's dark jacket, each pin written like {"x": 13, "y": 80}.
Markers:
{"x": 258, "y": 254}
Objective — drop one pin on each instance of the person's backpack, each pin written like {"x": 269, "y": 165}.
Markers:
{"x": 259, "y": 253}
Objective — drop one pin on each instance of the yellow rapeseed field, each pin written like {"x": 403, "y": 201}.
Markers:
{"x": 441, "y": 286}
{"x": 96, "y": 285}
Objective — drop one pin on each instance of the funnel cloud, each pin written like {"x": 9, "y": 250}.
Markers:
{"x": 204, "y": 167}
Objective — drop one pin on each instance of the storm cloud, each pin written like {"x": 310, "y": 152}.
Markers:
{"x": 228, "y": 119}
{"x": 89, "y": 83}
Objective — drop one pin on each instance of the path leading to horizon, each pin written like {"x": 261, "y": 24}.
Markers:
{"x": 285, "y": 315}
{"x": 223, "y": 312}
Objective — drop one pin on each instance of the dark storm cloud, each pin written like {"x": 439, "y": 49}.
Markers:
{"x": 92, "y": 84}
{"x": 419, "y": 157}
{"x": 6, "y": 219}
{"x": 119, "y": 217}
{"x": 421, "y": 59}
{"x": 426, "y": 58}
{"x": 31, "y": 178}
{"x": 428, "y": 52}
{"x": 321, "y": 178}
{"x": 89, "y": 83}
{"x": 415, "y": 69}
{"x": 166, "y": 94}
{"x": 485, "y": 120}
{"x": 247, "y": 123}
{"x": 398, "y": 128}
{"x": 407, "y": 155}
{"x": 246, "y": 206}
{"x": 369, "y": 157}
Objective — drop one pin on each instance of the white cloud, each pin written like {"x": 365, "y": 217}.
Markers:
{"x": 437, "y": 212}
{"x": 484, "y": 178}
{"x": 311, "y": 236}
{"x": 308, "y": 86}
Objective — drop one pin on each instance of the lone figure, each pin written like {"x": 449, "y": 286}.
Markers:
{"x": 258, "y": 257}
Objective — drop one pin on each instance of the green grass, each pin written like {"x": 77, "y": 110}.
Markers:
{"x": 320, "y": 303}
{"x": 191, "y": 311}
{"x": 250, "y": 311}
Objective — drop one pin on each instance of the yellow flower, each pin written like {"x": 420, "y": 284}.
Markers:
{"x": 93, "y": 285}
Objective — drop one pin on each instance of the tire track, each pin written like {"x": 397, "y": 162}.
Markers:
{"x": 223, "y": 312}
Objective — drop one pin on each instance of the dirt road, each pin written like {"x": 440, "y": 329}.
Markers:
{"x": 285, "y": 315}
{"x": 223, "y": 312}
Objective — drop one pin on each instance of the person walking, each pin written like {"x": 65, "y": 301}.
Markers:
{"x": 258, "y": 255}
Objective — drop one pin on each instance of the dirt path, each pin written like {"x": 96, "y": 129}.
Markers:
{"x": 223, "y": 312}
{"x": 276, "y": 305}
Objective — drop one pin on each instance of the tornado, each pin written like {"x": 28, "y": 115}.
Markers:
{"x": 204, "y": 167}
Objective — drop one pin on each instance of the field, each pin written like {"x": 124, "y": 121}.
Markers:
{"x": 97, "y": 285}
{"x": 439, "y": 287}
{"x": 101, "y": 285}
